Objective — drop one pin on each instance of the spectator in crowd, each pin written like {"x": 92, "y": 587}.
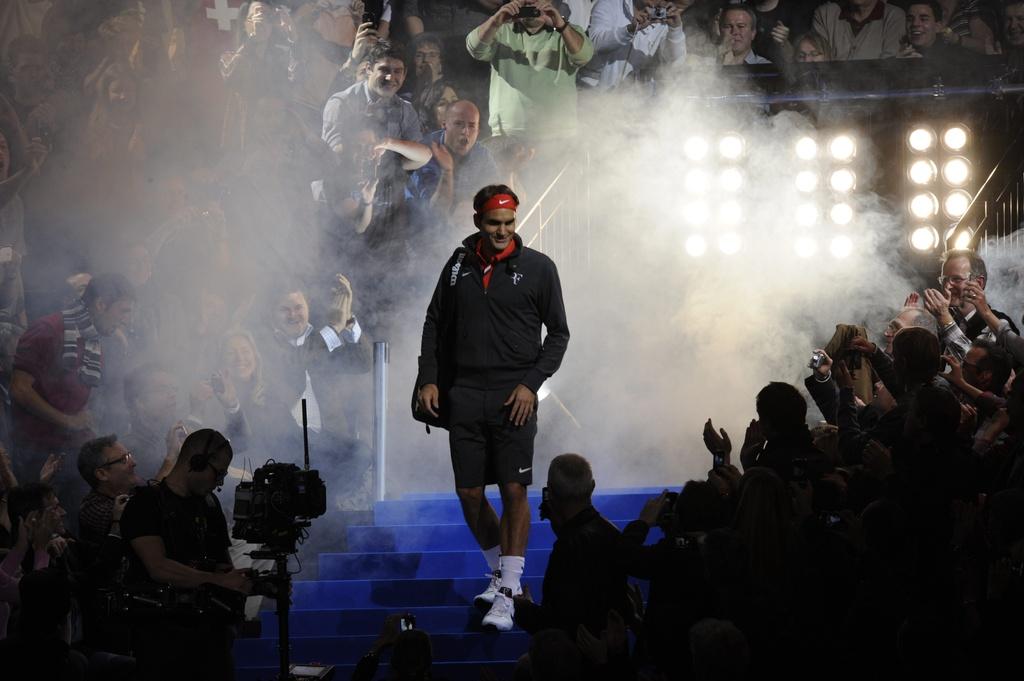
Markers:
{"x": 928, "y": 39}
{"x": 395, "y": 123}
{"x": 953, "y": 306}
{"x": 998, "y": 325}
{"x": 447, "y": 183}
{"x": 970, "y": 24}
{"x": 1013, "y": 32}
{"x": 56, "y": 366}
{"x": 411, "y": 651}
{"x": 108, "y": 468}
{"x": 525, "y": 99}
{"x": 31, "y": 533}
{"x": 427, "y": 62}
{"x": 432, "y": 104}
{"x": 811, "y": 48}
{"x": 631, "y": 40}
{"x": 738, "y": 26}
{"x": 861, "y": 29}
{"x": 571, "y": 596}
{"x": 778, "y": 21}
{"x": 318, "y": 364}
{"x": 912, "y": 314}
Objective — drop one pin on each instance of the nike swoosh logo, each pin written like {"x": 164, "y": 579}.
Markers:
{"x": 466, "y": 274}
{"x": 523, "y": 470}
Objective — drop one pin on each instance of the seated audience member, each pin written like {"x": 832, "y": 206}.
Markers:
{"x": 963, "y": 279}
{"x": 630, "y": 43}
{"x": 680, "y": 594}
{"x": 928, "y": 38}
{"x": 738, "y": 27}
{"x": 318, "y": 364}
{"x": 915, "y": 363}
{"x": 432, "y": 104}
{"x": 57, "y": 364}
{"x": 39, "y": 648}
{"x": 457, "y": 170}
{"x": 861, "y": 29}
{"x": 155, "y": 435}
{"x": 582, "y": 581}
{"x": 159, "y": 525}
{"x": 811, "y": 48}
{"x": 109, "y": 469}
{"x": 534, "y": 62}
{"x": 1013, "y": 33}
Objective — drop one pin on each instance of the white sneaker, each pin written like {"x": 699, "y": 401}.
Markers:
{"x": 501, "y": 612}
{"x": 487, "y": 597}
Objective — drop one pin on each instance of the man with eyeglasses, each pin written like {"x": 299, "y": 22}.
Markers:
{"x": 179, "y": 537}
{"x": 953, "y": 306}
{"x": 109, "y": 468}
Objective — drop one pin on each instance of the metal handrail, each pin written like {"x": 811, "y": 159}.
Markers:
{"x": 1008, "y": 172}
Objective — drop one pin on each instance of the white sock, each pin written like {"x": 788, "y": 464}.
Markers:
{"x": 492, "y": 555}
{"x": 511, "y": 572}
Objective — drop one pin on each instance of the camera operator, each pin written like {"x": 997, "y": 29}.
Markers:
{"x": 179, "y": 537}
{"x": 680, "y": 595}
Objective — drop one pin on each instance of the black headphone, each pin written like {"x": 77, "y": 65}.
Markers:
{"x": 199, "y": 462}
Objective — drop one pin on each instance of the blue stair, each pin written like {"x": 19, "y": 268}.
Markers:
{"x": 419, "y": 557}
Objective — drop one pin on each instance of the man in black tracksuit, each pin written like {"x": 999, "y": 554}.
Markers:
{"x": 481, "y": 365}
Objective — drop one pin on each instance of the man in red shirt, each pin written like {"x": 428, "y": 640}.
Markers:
{"x": 57, "y": 364}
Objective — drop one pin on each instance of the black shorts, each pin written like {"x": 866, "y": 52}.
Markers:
{"x": 485, "y": 447}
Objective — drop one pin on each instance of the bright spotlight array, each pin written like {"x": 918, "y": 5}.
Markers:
{"x": 826, "y": 179}
{"x": 807, "y": 181}
{"x": 841, "y": 214}
{"x": 938, "y": 167}
{"x": 731, "y": 146}
{"x": 843, "y": 148}
{"x": 695, "y": 148}
{"x": 696, "y": 245}
{"x": 842, "y": 181}
{"x": 806, "y": 149}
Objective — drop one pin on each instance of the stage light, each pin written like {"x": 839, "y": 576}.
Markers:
{"x": 842, "y": 148}
{"x": 807, "y": 181}
{"x": 963, "y": 240}
{"x": 697, "y": 182}
{"x": 805, "y": 246}
{"x": 695, "y": 148}
{"x": 841, "y": 247}
{"x": 696, "y": 246}
{"x": 924, "y": 206}
{"x": 730, "y": 179}
{"x": 955, "y": 137}
{"x": 729, "y": 243}
{"x": 696, "y": 213}
{"x": 731, "y": 146}
{"x": 842, "y": 180}
{"x": 730, "y": 213}
{"x": 806, "y": 214}
{"x": 806, "y": 149}
{"x": 956, "y": 171}
{"x": 956, "y": 204}
{"x": 924, "y": 238}
{"x": 921, "y": 139}
{"x": 922, "y": 172}
{"x": 841, "y": 214}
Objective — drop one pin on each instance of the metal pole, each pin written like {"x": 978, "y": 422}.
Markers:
{"x": 380, "y": 413}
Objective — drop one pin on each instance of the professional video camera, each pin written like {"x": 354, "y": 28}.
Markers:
{"x": 276, "y": 506}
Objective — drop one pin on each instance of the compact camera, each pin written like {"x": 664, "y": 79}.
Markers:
{"x": 528, "y": 12}
{"x": 658, "y": 13}
{"x": 817, "y": 359}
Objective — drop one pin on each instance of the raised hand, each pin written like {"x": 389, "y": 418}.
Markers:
{"x": 716, "y": 442}
{"x": 937, "y": 303}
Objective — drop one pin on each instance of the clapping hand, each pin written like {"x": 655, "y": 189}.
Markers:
{"x": 937, "y": 303}
{"x": 717, "y": 442}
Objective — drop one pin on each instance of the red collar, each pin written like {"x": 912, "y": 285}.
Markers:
{"x": 504, "y": 255}
{"x": 877, "y": 14}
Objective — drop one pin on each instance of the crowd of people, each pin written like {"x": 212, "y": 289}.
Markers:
{"x": 230, "y": 203}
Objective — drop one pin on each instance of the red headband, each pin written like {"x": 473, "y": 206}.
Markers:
{"x": 498, "y": 202}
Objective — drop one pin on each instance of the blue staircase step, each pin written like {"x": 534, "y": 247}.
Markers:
{"x": 419, "y": 565}
{"x": 466, "y": 647}
{"x": 450, "y": 537}
{"x": 421, "y": 512}
{"x": 392, "y": 593}
{"x": 436, "y": 620}
{"x": 451, "y": 671}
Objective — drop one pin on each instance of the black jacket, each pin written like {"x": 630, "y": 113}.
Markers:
{"x": 491, "y": 338}
{"x": 583, "y": 580}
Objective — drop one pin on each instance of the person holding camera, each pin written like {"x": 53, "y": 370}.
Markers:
{"x": 680, "y": 594}
{"x": 534, "y": 53}
{"x": 481, "y": 364}
{"x": 178, "y": 537}
{"x": 631, "y": 40}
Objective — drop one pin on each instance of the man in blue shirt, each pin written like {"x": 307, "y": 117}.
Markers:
{"x": 457, "y": 169}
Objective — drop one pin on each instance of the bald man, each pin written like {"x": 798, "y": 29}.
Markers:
{"x": 457, "y": 168}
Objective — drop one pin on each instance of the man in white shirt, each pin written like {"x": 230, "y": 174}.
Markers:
{"x": 631, "y": 38}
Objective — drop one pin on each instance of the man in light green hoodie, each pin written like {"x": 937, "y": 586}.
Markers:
{"x": 534, "y": 55}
